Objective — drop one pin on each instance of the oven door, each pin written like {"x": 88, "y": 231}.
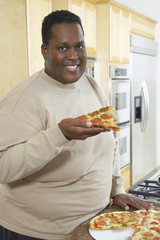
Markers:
{"x": 124, "y": 145}
{"x": 120, "y": 100}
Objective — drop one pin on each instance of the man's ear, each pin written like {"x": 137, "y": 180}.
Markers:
{"x": 44, "y": 51}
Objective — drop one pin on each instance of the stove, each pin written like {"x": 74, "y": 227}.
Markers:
{"x": 148, "y": 190}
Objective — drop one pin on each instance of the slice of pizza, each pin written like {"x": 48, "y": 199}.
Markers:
{"x": 104, "y": 117}
{"x": 142, "y": 232}
{"x": 152, "y": 220}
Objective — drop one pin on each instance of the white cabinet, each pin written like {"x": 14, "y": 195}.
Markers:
{"x": 86, "y": 10}
{"x": 125, "y": 37}
{"x": 90, "y": 28}
{"x": 77, "y": 7}
{"x": 119, "y": 21}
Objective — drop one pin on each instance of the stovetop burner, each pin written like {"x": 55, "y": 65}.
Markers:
{"x": 147, "y": 188}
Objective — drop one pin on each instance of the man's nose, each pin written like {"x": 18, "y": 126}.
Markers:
{"x": 72, "y": 53}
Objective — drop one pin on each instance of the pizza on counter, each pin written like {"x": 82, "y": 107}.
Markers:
{"x": 117, "y": 220}
{"x": 146, "y": 223}
{"x": 104, "y": 117}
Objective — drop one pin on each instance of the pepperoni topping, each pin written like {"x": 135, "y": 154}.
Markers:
{"x": 96, "y": 120}
{"x": 83, "y": 117}
{"x": 147, "y": 234}
{"x": 104, "y": 116}
{"x": 155, "y": 229}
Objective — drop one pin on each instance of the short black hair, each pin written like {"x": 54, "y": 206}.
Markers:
{"x": 57, "y": 17}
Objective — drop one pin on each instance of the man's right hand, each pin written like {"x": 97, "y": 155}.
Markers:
{"x": 78, "y": 129}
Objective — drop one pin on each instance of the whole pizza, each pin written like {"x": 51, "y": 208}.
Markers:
{"x": 146, "y": 223}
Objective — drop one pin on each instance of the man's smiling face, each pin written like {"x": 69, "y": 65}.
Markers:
{"x": 65, "y": 56}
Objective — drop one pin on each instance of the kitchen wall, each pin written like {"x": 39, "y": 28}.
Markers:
{"x": 150, "y": 8}
{"x": 13, "y": 44}
{"x": 36, "y": 10}
{"x": 20, "y": 41}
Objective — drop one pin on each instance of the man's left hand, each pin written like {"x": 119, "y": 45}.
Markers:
{"x": 124, "y": 201}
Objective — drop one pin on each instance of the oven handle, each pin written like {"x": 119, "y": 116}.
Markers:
{"x": 120, "y": 80}
{"x": 145, "y": 106}
{"x": 125, "y": 125}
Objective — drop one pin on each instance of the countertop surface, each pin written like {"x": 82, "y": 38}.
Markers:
{"x": 82, "y": 231}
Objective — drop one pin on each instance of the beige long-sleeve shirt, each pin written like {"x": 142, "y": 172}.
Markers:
{"x": 49, "y": 185}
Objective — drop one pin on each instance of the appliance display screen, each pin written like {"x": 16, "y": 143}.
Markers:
{"x": 120, "y": 72}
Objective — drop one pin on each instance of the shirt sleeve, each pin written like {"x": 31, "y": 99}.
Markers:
{"x": 117, "y": 179}
{"x": 25, "y": 150}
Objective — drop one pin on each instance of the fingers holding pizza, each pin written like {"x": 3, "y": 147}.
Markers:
{"x": 78, "y": 129}
{"x": 90, "y": 124}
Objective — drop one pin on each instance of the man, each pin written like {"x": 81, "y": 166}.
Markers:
{"x": 56, "y": 172}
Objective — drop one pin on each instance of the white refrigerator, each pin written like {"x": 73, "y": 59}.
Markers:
{"x": 143, "y": 106}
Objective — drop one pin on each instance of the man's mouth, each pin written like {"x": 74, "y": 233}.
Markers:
{"x": 72, "y": 68}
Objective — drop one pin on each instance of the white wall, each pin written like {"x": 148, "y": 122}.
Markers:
{"x": 150, "y": 8}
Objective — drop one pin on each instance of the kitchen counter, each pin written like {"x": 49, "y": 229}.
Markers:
{"x": 82, "y": 231}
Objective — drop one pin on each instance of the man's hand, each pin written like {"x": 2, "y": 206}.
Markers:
{"x": 124, "y": 201}
{"x": 78, "y": 129}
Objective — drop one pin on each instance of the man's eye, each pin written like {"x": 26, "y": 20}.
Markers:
{"x": 63, "y": 49}
{"x": 80, "y": 46}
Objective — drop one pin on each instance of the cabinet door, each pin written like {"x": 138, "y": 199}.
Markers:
{"x": 119, "y": 35}
{"x": 124, "y": 37}
{"x": 90, "y": 28}
{"x": 87, "y": 12}
{"x": 114, "y": 34}
{"x": 60, "y": 5}
{"x": 77, "y": 7}
{"x": 102, "y": 47}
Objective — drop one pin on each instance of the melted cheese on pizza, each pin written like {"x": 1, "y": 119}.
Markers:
{"x": 117, "y": 220}
{"x": 144, "y": 233}
{"x": 104, "y": 117}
